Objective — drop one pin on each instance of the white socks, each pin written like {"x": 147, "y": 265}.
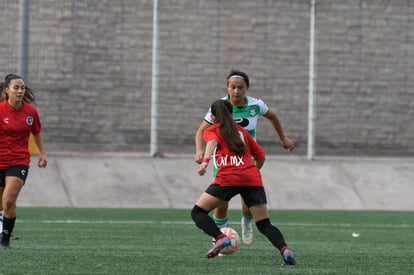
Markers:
{"x": 1, "y": 221}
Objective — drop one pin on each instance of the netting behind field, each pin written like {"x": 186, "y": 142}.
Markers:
{"x": 91, "y": 62}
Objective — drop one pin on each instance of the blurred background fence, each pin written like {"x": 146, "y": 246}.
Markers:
{"x": 91, "y": 63}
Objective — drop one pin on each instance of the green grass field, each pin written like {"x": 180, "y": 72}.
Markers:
{"x": 165, "y": 241}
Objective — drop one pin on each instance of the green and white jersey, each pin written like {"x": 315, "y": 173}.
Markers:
{"x": 247, "y": 115}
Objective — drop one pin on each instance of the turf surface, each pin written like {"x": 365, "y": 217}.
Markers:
{"x": 165, "y": 241}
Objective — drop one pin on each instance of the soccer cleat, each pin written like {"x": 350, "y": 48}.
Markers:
{"x": 5, "y": 244}
{"x": 213, "y": 242}
{"x": 219, "y": 245}
{"x": 247, "y": 230}
{"x": 288, "y": 256}
{"x": 12, "y": 237}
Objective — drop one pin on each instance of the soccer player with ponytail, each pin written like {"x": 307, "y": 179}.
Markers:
{"x": 231, "y": 148}
{"x": 246, "y": 111}
{"x": 17, "y": 120}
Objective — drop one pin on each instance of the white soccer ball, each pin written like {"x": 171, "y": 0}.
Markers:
{"x": 235, "y": 240}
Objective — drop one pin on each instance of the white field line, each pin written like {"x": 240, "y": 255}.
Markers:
{"x": 294, "y": 224}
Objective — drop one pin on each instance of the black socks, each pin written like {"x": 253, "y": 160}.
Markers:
{"x": 8, "y": 225}
{"x": 205, "y": 222}
{"x": 272, "y": 233}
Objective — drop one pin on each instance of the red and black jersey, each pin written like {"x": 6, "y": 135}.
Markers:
{"x": 15, "y": 129}
{"x": 234, "y": 170}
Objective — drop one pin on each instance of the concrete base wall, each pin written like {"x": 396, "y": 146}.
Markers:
{"x": 139, "y": 181}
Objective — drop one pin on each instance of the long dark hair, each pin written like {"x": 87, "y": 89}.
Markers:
{"x": 29, "y": 94}
{"x": 2, "y": 93}
{"x": 222, "y": 110}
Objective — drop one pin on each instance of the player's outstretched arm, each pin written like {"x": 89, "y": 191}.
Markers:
{"x": 286, "y": 142}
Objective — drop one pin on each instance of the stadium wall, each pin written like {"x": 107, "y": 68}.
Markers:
{"x": 91, "y": 64}
{"x": 139, "y": 181}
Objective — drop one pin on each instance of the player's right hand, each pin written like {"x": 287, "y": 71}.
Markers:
{"x": 198, "y": 158}
{"x": 202, "y": 168}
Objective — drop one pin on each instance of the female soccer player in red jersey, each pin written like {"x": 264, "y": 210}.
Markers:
{"x": 17, "y": 120}
{"x": 231, "y": 147}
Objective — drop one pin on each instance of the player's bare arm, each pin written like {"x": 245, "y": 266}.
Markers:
{"x": 198, "y": 158}
{"x": 42, "y": 162}
{"x": 210, "y": 147}
{"x": 286, "y": 142}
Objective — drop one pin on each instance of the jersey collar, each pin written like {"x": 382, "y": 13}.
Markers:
{"x": 246, "y": 102}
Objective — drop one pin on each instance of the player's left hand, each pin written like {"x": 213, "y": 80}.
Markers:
{"x": 42, "y": 162}
{"x": 288, "y": 144}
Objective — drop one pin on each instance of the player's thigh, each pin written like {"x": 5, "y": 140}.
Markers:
{"x": 253, "y": 195}
{"x": 259, "y": 212}
{"x": 245, "y": 208}
{"x": 12, "y": 189}
{"x": 14, "y": 179}
{"x": 1, "y": 196}
{"x": 208, "y": 202}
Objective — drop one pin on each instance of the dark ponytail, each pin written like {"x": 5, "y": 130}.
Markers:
{"x": 222, "y": 110}
{"x": 9, "y": 78}
{"x": 29, "y": 95}
{"x": 2, "y": 93}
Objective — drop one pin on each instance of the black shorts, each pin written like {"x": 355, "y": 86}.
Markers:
{"x": 19, "y": 171}
{"x": 252, "y": 195}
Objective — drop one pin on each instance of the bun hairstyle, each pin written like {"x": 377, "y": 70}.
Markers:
{"x": 29, "y": 95}
{"x": 223, "y": 112}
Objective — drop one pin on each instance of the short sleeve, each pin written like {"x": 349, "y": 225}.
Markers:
{"x": 210, "y": 134}
{"x": 207, "y": 117}
{"x": 36, "y": 126}
{"x": 263, "y": 107}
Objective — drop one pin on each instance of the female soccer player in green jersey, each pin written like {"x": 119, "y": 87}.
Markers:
{"x": 246, "y": 111}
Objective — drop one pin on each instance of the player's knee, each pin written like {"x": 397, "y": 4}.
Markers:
{"x": 8, "y": 203}
{"x": 223, "y": 207}
{"x": 196, "y": 211}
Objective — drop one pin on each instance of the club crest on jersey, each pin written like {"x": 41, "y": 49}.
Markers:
{"x": 252, "y": 111}
{"x": 29, "y": 120}
{"x": 6, "y": 120}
